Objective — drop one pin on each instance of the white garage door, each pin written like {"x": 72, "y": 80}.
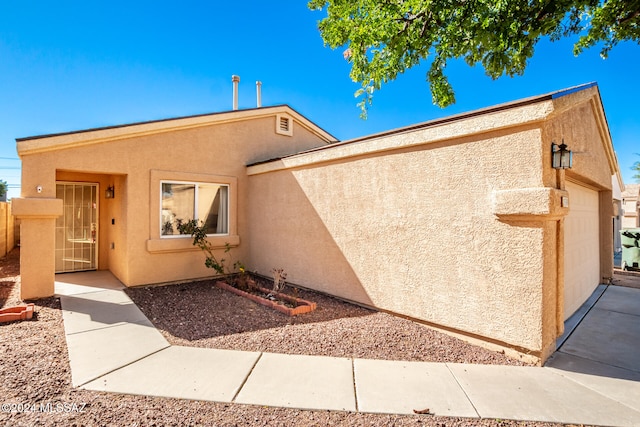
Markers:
{"x": 581, "y": 247}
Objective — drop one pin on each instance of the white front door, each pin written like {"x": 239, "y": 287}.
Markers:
{"x": 77, "y": 228}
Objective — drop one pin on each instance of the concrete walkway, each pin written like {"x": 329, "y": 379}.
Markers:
{"x": 594, "y": 378}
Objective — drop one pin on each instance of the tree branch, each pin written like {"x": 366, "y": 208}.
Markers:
{"x": 630, "y": 17}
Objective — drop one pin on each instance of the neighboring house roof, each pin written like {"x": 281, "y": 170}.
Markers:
{"x": 502, "y": 116}
{"x": 41, "y": 143}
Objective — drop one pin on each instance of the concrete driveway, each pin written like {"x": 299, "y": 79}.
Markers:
{"x": 601, "y": 347}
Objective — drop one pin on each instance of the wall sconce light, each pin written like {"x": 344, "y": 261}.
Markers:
{"x": 110, "y": 193}
{"x": 561, "y": 158}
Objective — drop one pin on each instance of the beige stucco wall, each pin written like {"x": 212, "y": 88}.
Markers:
{"x": 459, "y": 225}
{"x": 630, "y": 220}
{"x": 630, "y": 207}
{"x": 413, "y": 231}
{"x": 129, "y": 240}
{"x": 37, "y": 233}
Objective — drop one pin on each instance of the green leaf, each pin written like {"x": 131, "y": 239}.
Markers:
{"x": 384, "y": 38}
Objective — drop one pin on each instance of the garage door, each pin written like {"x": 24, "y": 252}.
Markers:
{"x": 581, "y": 247}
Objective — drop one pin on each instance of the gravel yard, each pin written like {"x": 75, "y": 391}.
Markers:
{"x": 199, "y": 314}
{"x": 35, "y": 382}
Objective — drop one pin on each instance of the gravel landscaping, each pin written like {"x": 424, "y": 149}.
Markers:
{"x": 199, "y": 314}
{"x": 35, "y": 381}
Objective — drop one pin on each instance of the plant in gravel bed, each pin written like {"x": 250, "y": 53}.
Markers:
{"x": 199, "y": 233}
{"x": 236, "y": 278}
{"x": 279, "y": 277}
{"x": 258, "y": 293}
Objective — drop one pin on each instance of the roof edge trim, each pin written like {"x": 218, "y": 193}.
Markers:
{"x": 294, "y": 159}
{"x": 42, "y": 143}
{"x": 574, "y": 89}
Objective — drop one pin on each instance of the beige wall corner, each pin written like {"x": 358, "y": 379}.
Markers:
{"x": 525, "y": 202}
{"x": 547, "y": 352}
{"x": 37, "y": 241}
{"x": 36, "y": 207}
{"x": 547, "y": 206}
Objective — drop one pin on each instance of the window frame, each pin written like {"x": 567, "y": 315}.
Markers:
{"x": 158, "y": 244}
{"x": 195, "y": 206}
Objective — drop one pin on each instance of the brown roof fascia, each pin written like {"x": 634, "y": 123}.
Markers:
{"x": 456, "y": 117}
{"x": 28, "y": 138}
{"x": 450, "y": 119}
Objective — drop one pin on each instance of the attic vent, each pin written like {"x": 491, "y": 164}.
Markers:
{"x": 284, "y": 125}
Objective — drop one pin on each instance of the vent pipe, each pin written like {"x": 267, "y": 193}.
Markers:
{"x": 235, "y": 79}
{"x": 259, "y": 94}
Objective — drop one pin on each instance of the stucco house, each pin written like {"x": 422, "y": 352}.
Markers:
{"x": 460, "y": 223}
{"x": 630, "y": 206}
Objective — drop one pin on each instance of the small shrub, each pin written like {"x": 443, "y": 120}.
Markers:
{"x": 279, "y": 277}
{"x": 199, "y": 234}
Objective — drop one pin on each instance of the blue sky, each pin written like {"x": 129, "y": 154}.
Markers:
{"x": 71, "y": 65}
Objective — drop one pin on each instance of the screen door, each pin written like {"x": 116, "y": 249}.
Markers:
{"x": 77, "y": 228}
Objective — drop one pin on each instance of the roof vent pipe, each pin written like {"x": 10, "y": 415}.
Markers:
{"x": 235, "y": 79}
{"x": 259, "y": 93}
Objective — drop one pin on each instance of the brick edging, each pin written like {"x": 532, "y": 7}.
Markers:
{"x": 303, "y": 307}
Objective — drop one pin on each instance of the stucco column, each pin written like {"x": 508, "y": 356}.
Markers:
{"x": 541, "y": 207}
{"x": 37, "y": 245}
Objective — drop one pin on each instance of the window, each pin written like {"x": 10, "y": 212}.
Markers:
{"x": 201, "y": 201}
